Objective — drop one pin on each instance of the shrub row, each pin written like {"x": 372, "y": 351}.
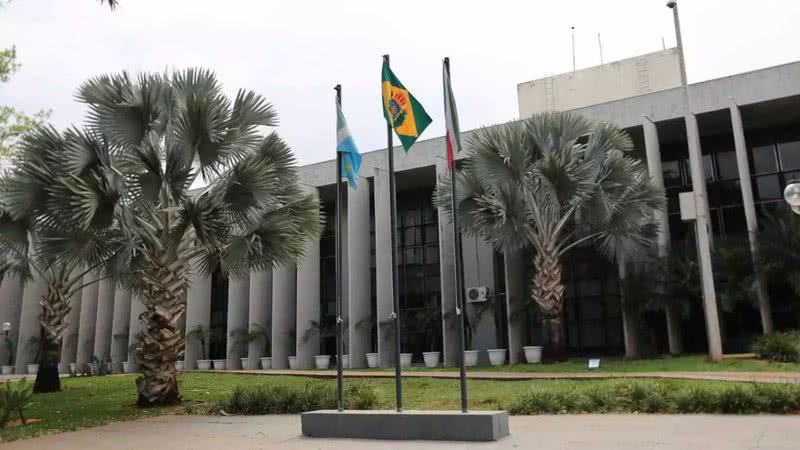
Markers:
{"x": 281, "y": 399}
{"x": 661, "y": 398}
{"x": 781, "y": 347}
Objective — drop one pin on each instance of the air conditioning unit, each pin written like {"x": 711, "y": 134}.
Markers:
{"x": 478, "y": 294}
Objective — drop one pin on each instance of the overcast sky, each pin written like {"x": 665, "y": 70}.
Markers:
{"x": 294, "y": 52}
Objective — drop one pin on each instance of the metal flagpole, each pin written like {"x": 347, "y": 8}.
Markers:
{"x": 339, "y": 340}
{"x": 395, "y": 279}
{"x": 459, "y": 270}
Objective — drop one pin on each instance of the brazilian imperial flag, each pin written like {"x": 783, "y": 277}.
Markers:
{"x": 401, "y": 110}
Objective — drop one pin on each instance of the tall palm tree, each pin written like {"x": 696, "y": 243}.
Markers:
{"x": 149, "y": 138}
{"x": 553, "y": 182}
{"x": 32, "y": 246}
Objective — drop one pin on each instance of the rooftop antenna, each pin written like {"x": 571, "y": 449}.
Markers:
{"x": 573, "y": 49}
{"x": 600, "y": 44}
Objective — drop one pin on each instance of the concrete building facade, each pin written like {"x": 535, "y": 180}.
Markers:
{"x": 756, "y": 113}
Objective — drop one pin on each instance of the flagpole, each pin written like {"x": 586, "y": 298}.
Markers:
{"x": 459, "y": 270}
{"x": 395, "y": 279}
{"x": 339, "y": 340}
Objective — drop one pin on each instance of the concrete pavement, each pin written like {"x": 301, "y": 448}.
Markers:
{"x": 589, "y": 432}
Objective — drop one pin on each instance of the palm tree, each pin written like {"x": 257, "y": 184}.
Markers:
{"x": 150, "y": 138}
{"x": 553, "y": 182}
{"x": 32, "y": 245}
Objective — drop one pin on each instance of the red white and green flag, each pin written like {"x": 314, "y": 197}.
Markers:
{"x": 453, "y": 136}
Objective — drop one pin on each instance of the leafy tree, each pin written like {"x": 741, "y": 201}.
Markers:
{"x": 34, "y": 244}
{"x": 553, "y": 182}
{"x": 129, "y": 176}
{"x": 14, "y": 123}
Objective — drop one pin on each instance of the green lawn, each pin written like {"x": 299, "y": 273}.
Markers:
{"x": 696, "y": 363}
{"x": 88, "y": 402}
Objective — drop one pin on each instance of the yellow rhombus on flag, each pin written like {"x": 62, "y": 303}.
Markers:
{"x": 401, "y": 110}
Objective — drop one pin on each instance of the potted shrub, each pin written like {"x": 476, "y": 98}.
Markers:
{"x": 219, "y": 364}
{"x": 116, "y": 366}
{"x": 428, "y": 322}
{"x": 202, "y": 334}
{"x": 320, "y": 330}
{"x": 533, "y": 354}
{"x": 125, "y": 367}
{"x": 256, "y": 332}
{"x": 497, "y": 356}
{"x": 373, "y": 358}
{"x": 8, "y": 368}
{"x": 405, "y": 359}
{"x": 180, "y": 365}
{"x": 293, "y": 341}
{"x": 36, "y": 341}
{"x": 293, "y": 362}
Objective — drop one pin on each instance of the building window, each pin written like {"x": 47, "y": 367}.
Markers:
{"x": 420, "y": 284}
{"x": 763, "y": 159}
{"x": 790, "y": 155}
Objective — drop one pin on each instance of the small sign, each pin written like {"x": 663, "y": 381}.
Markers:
{"x": 594, "y": 364}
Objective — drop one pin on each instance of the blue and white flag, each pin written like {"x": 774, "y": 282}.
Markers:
{"x": 351, "y": 159}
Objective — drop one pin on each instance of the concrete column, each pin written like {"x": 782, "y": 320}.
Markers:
{"x": 308, "y": 307}
{"x": 478, "y": 257}
{"x": 383, "y": 268}
{"x": 448, "y": 281}
{"x": 69, "y": 342}
{"x": 654, "y": 167}
{"x": 120, "y": 328}
{"x": 358, "y": 274}
{"x": 135, "y": 327}
{"x": 705, "y": 240}
{"x": 105, "y": 319}
{"x": 515, "y": 305}
{"x": 88, "y": 319}
{"x": 260, "y": 313}
{"x": 653, "y": 153}
{"x": 198, "y": 313}
{"x": 29, "y": 328}
{"x": 750, "y": 216}
{"x": 238, "y": 313}
{"x": 284, "y": 314}
{"x": 10, "y": 310}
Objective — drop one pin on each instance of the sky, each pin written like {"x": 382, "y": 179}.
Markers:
{"x": 294, "y": 52}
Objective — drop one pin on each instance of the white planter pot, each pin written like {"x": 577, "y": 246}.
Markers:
{"x": 125, "y": 367}
{"x": 431, "y": 359}
{"x": 471, "y": 358}
{"x": 345, "y": 361}
{"x": 203, "y": 364}
{"x": 293, "y": 362}
{"x": 266, "y": 363}
{"x": 180, "y": 365}
{"x": 7, "y": 370}
{"x": 322, "y": 361}
{"x": 497, "y": 356}
{"x": 405, "y": 359}
{"x": 33, "y": 369}
{"x": 219, "y": 364}
{"x": 245, "y": 363}
{"x": 533, "y": 354}
{"x": 73, "y": 368}
{"x": 373, "y": 360}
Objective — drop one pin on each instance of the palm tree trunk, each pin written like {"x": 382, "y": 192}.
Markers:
{"x": 55, "y": 308}
{"x": 162, "y": 339}
{"x": 674, "y": 333}
{"x": 630, "y": 322}
{"x": 548, "y": 294}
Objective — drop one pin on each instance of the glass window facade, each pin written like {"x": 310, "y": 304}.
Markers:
{"x": 418, "y": 265}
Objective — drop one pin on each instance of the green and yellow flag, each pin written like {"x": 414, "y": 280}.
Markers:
{"x": 401, "y": 110}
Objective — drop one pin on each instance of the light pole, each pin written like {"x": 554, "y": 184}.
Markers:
{"x": 792, "y": 195}
{"x": 702, "y": 229}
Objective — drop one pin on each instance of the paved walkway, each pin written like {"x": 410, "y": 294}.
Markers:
{"x": 760, "y": 377}
{"x": 583, "y": 432}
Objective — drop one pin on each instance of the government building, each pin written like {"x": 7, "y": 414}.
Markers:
{"x": 641, "y": 95}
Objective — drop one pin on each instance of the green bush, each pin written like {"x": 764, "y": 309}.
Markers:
{"x": 281, "y": 399}
{"x": 781, "y": 347}
{"x": 15, "y": 398}
{"x": 660, "y": 397}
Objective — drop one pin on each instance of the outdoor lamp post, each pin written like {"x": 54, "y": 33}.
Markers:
{"x": 792, "y": 195}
